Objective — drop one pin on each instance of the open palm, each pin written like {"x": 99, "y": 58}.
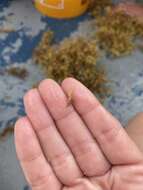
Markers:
{"x": 74, "y": 147}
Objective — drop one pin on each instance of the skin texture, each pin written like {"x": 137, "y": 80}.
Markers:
{"x": 135, "y": 130}
{"x": 78, "y": 146}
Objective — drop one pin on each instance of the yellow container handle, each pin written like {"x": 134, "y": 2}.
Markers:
{"x": 62, "y": 8}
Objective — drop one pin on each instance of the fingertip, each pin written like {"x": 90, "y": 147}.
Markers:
{"x": 53, "y": 95}
{"x": 20, "y": 123}
{"x": 29, "y": 96}
{"x": 76, "y": 86}
{"x": 45, "y": 83}
{"x": 19, "y": 133}
{"x": 50, "y": 90}
{"x": 83, "y": 99}
{"x": 68, "y": 81}
{"x": 22, "y": 130}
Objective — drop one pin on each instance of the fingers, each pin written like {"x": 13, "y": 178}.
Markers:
{"x": 111, "y": 137}
{"x": 37, "y": 170}
{"x": 54, "y": 147}
{"x": 73, "y": 130}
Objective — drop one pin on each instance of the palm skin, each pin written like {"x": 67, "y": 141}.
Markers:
{"x": 74, "y": 147}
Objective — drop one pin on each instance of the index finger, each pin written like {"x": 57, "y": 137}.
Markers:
{"x": 110, "y": 135}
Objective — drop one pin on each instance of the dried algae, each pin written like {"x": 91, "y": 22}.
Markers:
{"x": 74, "y": 57}
{"x": 18, "y": 72}
{"x": 115, "y": 33}
{"x": 9, "y": 130}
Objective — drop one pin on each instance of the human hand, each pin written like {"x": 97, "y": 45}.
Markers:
{"x": 74, "y": 147}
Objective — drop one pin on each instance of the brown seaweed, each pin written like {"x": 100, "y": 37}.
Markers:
{"x": 117, "y": 33}
{"x": 6, "y": 30}
{"x": 74, "y": 57}
{"x": 9, "y": 130}
{"x": 19, "y": 72}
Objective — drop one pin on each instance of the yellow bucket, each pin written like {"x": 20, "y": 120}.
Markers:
{"x": 62, "y": 8}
